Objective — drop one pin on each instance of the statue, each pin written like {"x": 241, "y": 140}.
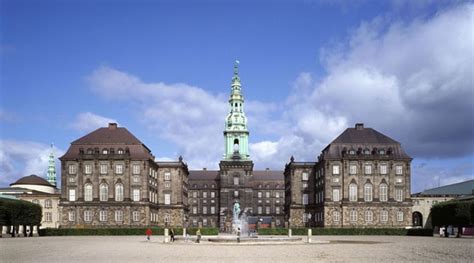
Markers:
{"x": 236, "y": 209}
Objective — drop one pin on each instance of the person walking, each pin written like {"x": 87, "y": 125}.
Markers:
{"x": 148, "y": 234}
{"x": 198, "y": 234}
{"x": 172, "y": 235}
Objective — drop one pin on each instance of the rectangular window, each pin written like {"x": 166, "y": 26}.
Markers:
{"x": 259, "y": 210}
{"x": 72, "y": 195}
{"x": 103, "y": 169}
{"x": 72, "y": 179}
{"x": 335, "y": 169}
{"x": 384, "y": 216}
{"x": 136, "y": 169}
{"x": 118, "y": 216}
{"x": 136, "y": 179}
{"x": 204, "y": 210}
{"x": 267, "y": 210}
{"x": 236, "y": 193}
{"x": 204, "y": 222}
{"x": 336, "y": 195}
{"x": 87, "y": 216}
{"x": 368, "y": 216}
{"x": 88, "y": 169}
{"x": 399, "y": 170}
{"x": 368, "y": 169}
{"x": 213, "y": 194}
{"x": 72, "y": 169}
{"x": 195, "y": 194}
{"x": 167, "y": 176}
{"x": 353, "y": 216}
{"x": 399, "y": 194}
{"x": 195, "y": 210}
{"x": 304, "y": 185}
{"x": 383, "y": 193}
{"x": 167, "y": 199}
{"x": 213, "y": 209}
{"x": 103, "y": 215}
{"x": 204, "y": 194}
{"x": 259, "y": 194}
{"x": 167, "y": 184}
{"x": 48, "y": 217}
{"x": 136, "y": 195}
{"x": 277, "y": 194}
{"x": 267, "y": 194}
{"x": 304, "y": 176}
{"x": 336, "y": 216}
{"x": 305, "y": 217}
{"x": 236, "y": 180}
{"x": 136, "y": 216}
{"x": 305, "y": 199}
{"x": 72, "y": 216}
{"x": 383, "y": 169}
{"x": 353, "y": 169}
{"x": 400, "y": 216}
{"x": 195, "y": 222}
{"x": 119, "y": 168}
{"x": 277, "y": 210}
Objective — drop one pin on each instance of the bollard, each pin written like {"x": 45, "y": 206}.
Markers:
{"x": 184, "y": 232}
{"x": 35, "y": 231}
{"x": 289, "y": 232}
{"x": 167, "y": 239}
{"x": 310, "y": 233}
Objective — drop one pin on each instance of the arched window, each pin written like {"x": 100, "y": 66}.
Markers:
{"x": 383, "y": 192}
{"x": 104, "y": 192}
{"x": 353, "y": 192}
{"x": 368, "y": 192}
{"x": 105, "y": 151}
{"x": 119, "y": 192}
{"x": 88, "y": 192}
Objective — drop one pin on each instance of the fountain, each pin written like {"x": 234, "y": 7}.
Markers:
{"x": 239, "y": 220}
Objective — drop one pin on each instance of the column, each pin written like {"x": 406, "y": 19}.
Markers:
{"x": 35, "y": 230}
{"x": 20, "y": 230}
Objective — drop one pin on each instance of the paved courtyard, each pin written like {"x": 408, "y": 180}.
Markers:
{"x": 136, "y": 249}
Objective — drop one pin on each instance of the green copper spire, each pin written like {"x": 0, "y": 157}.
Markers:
{"x": 236, "y": 134}
{"x": 52, "y": 168}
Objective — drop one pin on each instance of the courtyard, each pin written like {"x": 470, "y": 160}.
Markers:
{"x": 323, "y": 249}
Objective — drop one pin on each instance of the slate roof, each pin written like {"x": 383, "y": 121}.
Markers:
{"x": 32, "y": 179}
{"x": 203, "y": 175}
{"x": 263, "y": 175}
{"x": 458, "y": 189}
{"x": 268, "y": 175}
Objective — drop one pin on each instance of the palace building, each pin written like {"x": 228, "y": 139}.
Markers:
{"x": 110, "y": 178}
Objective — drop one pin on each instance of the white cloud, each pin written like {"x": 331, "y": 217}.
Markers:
{"x": 88, "y": 121}
{"x": 22, "y": 158}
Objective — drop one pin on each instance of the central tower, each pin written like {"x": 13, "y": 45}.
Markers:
{"x": 236, "y": 134}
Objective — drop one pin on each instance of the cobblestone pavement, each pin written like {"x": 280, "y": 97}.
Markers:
{"x": 136, "y": 249}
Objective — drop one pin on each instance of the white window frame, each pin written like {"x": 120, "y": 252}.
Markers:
{"x": 136, "y": 195}
{"x": 119, "y": 192}
{"x": 167, "y": 176}
{"x": 213, "y": 194}
{"x": 400, "y": 216}
{"x": 87, "y": 215}
{"x": 368, "y": 192}
{"x": 277, "y": 210}
{"x": 236, "y": 180}
{"x": 136, "y": 169}
{"x": 103, "y": 215}
{"x": 398, "y": 169}
{"x": 48, "y": 217}
{"x": 336, "y": 195}
{"x": 72, "y": 195}
{"x": 213, "y": 210}
{"x": 336, "y": 169}
{"x": 267, "y": 194}
{"x": 259, "y": 210}
{"x": 135, "y": 216}
{"x": 72, "y": 216}
{"x": 304, "y": 176}
{"x": 88, "y": 192}
{"x": 336, "y": 216}
{"x": 305, "y": 199}
{"x": 383, "y": 192}
{"x": 369, "y": 216}
{"x": 384, "y": 216}
{"x": 119, "y": 168}
{"x": 399, "y": 194}
{"x": 72, "y": 169}
{"x": 383, "y": 169}
{"x": 352, "y": 168}
{"x": 368, "y": 168}
{"x": 204, "y": 210}
{"x": 353, "y": 216}
{"x": 167, "y": 199}
{"x": 118, "y": 216}
{"x": 195, "y": 210}
{"x": 103, "y": 168}
{"x": 204, "y": 194}
{"x": 103, "y": 192}
{"x": 87, "y": 168}
{"x": 236, "y": 193}
{"x": 267, "y": 210}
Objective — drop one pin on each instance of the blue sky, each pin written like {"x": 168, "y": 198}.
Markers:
{"x": 309, "y": 70}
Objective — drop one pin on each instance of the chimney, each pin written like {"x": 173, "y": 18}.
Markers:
{"x": 112, "y": 126}
{"x": 359, "y": 126}
{"x": 204, "y": 169}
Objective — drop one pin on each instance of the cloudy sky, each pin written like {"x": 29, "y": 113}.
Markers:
{"x": 309, "y": 69}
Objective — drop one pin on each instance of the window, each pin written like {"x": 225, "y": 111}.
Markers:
{"x": 36, "y": 201}
{"x": 383, "y": 169}
{"x": 236, "y": 180}
{"x": 87, "y": 215}
{"x": 353, "y": 169}
{"x": 267, "y": 194}
{"x": 136, "y": 216}
{"x": 195, "y": 194}
{"x": 103, "y": 169}
{"x": 305, "y": 199}
{"x": 120, "y": 151}
{"x": 304, "y": 176}
{"x": 259, "y": 210}
{"x": 72, "y": 195}
{"x": 383, "y": 192}
{"x": 167, "y": 184}
{"x": 136, "y": 179}
{"x": 136, "y": 195}
{"x": 48, "y": 217}
{"x": 204, "y": 221}
{"x": 119, "y": 168}
{"x": 167, "y": 199}
{"x": 368, "y": 192}
{"x": 353, "y": 192}
{"x": 352, "y": 152}
{"x": 88, "y": 192}
{"x": 104, "y": 192}
{"x": 335, "y": 169}
{"x": 277, "y": 210}
{"x": 88, "y": 169}
{"x": 213, "y": 194}
{"x": 136, "y": 169}
{"x": 382, "y": 152}
{"x": 277, "y": 194}
{"x": 105, "y": 151}
{"x": 195, "y": 210}
{"x": 267, "y": 210}
{"x": 353, "y": 216}
{"x": 103, "y": 215}
{"x": 204, "y": 210}
{"x": 398, "y": 170}
{"x": 399, "y": 216}
{"x": 72, "y": 169}
{"x": 384, "y": 216}
{"x": 204, "y": 194}
{"x": 259, "y": 194}
{"x": 72, "y": 179}
{"x": 368, "y": 168}
{"x": 72, "y": 216}
{"x": 305, "y": 217}
{"x": 48, "y": 203}
{"x": 118, "y": 216}
{"x": 167, "y": 176}
{"x": 236, "y": 193}
{"x": 335, "y": 195}
{"x": 213, "y": 209}
{"x": 399, "y": 194}
{"x": 119, "y": 192}
{"x": 369, "y": 215}
{"x": 336, "y": 216}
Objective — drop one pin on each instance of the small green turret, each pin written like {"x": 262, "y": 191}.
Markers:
{"x": 52, "y": 168}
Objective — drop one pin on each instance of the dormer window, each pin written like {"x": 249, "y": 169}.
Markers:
{"x": 120, "y": 151}
{"x": 352, "y": 152}
{"x": 105, "y": 151}
{"x": 382, "y": 152}
{"x": 90, "y": 151}
{"x": 367, "y": 152}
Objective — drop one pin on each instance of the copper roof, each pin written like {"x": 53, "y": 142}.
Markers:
{"x": 32, "y": 179}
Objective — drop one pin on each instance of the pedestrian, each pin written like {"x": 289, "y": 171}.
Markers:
{"x": 198, "y": 234}
{"x": 238, "y": 235}
{"x": 148, "y": 234}
{"x": 172, "y": 234}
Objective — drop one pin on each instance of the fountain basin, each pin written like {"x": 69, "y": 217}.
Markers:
{"x": 233, "y": 239}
